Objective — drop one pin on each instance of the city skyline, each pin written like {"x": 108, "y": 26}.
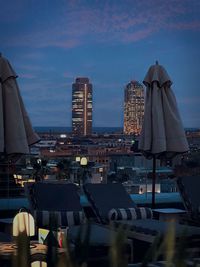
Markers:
{"x": 50, "y": 43}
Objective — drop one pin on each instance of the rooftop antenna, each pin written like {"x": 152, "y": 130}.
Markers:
{"x": 0, "y": 54}
{"x": 156, "y": 62}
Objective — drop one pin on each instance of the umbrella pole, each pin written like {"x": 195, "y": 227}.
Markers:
{"x": 153, "y": 181}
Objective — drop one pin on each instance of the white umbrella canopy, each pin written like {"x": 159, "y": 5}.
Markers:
{"x": 16, "y": 131}
{"x": 162, "y": 134}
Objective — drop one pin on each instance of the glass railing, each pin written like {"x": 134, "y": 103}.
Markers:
{"x": 11, "y": 185}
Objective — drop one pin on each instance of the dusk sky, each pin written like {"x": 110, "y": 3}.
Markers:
{"x": 49, "y": 43}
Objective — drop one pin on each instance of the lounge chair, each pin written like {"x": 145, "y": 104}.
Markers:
{"x": 62, "y": 200}
{"x": 59, "y": 200}
{"x": 112, "y": 199}
{"x": 188, "y": 188}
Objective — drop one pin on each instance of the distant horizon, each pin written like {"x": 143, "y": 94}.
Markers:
{"x": 195, "y": 127}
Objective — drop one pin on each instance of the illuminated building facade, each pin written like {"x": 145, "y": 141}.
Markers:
{"x": 133, "y": 107}
{"x": 82, "y": 107}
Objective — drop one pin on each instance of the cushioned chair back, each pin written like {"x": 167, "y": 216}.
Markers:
{"x": 189, "y": 187}
{"x": 53, "y": 196}
{"x": 104, "y": 197}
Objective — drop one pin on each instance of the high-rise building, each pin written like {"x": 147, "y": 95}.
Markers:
{"x": 133, "y": 107}
{"x": 82, "y": 107}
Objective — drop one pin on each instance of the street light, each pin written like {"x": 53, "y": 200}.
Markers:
{"x": 101, "y": 173}
{"x": 78, "y": 159}
{"x": 83, "y": 163}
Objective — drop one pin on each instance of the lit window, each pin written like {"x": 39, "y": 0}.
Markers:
{"x": 77, "y": 119}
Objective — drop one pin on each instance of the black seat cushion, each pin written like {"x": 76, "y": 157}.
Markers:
{"x": 54, "y": 196}
{"x": 104, "y": 197}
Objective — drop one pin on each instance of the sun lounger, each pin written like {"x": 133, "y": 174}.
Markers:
{"x": 186, "y": 262}
{"x": 59, "y": 201}
{"x": 107, "y": 199}
{"x": 188, "y": 187}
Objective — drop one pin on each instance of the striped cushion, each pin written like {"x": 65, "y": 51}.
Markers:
{"x": 130, "y": 214}
{"x": 59, "y": 218}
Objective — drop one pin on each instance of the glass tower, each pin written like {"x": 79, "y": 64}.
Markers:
{"x": 133, "y": 107}
{"x": 82, "y": 107}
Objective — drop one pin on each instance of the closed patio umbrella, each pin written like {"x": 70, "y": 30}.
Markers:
{"x": 162, "y": 134}
{"x": 16, "y": 132}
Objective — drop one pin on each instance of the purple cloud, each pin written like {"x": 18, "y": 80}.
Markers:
{"x": 107, "y": 21}
{"x": 193, "y": 25}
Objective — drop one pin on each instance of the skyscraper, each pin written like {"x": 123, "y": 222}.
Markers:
{"x": 82, "y": 107}
{"x": 133, "y": 107}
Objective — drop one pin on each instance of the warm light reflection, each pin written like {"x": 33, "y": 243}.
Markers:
{"x": 22, "y": 181}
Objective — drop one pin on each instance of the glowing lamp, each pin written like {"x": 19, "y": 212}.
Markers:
{"x": 23, "y": 222}
{"x": 100, "y": 169}
{"x": 78, "y": 159}
{"x": 83, "y": 161}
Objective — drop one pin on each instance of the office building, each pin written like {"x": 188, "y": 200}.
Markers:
{"x": 133, "y": 108}
{"x": 82, "y": 107}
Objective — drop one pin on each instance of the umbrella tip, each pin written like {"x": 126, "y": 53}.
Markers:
{"x": 156, "y": 62}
